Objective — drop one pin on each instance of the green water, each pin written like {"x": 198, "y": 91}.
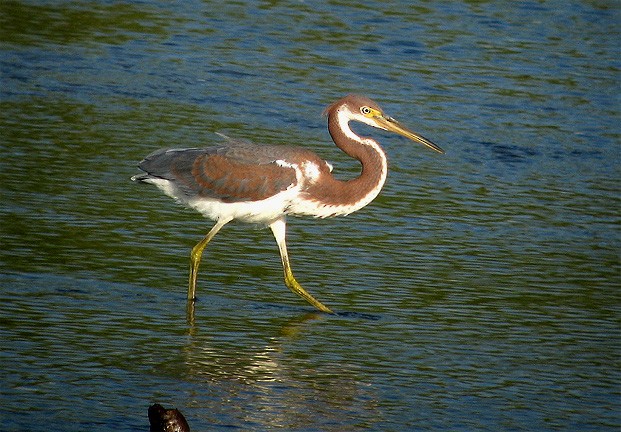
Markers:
{"x": 479, "y": 291}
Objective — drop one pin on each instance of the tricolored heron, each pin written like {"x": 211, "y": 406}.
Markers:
{"x": 262, "y": 184}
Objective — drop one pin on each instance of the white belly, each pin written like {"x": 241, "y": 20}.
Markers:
{"x": 256, "y": 212}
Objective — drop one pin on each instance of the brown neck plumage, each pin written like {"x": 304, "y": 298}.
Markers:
{"x": 357, "y": 192}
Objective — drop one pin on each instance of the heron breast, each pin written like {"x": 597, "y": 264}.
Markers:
{"x": 311, "y": 171}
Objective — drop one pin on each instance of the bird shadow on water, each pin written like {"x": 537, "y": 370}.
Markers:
{"x": 344, "y": 314}
{"x": 359, "y": 315}
{"x": 191, "y": 312}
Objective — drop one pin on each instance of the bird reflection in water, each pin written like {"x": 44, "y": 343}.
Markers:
{"x": 261, "y": 367}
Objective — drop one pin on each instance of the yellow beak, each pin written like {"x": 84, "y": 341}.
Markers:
{"x": 390, "y": 124}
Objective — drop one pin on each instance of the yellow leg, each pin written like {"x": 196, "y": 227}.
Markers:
{"x": 279, "y": 228}
{"x": 195, "y": 258}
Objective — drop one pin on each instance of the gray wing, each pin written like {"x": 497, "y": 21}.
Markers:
{"x": 236, "y": 171}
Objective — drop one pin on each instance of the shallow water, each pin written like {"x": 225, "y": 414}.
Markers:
{"x": 479, "y": 291}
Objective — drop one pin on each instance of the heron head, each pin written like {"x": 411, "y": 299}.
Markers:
{"x": 364, "y": 110}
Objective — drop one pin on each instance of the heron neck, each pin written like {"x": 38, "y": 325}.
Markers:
{"x": 355, "y": 193}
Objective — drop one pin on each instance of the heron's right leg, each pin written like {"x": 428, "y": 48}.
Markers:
{"x": 195, "y": 257}
{"x": 279, "y": 228}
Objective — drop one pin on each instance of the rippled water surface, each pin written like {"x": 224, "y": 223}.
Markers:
{"x": 479, "y": 291}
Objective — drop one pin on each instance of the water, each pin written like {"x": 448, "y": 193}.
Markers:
{"x": 480, "y": 291}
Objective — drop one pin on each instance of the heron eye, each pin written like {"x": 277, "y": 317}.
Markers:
{"x": 365, "y": 110}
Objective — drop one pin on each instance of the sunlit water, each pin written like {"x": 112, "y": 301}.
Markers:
{"x": 480, "y": 291}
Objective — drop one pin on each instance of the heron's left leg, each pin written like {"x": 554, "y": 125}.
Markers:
{"x": 195, "y": 258}
{"x": 279, "y": 229}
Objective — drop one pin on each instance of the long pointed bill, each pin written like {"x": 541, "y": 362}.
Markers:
{"x": 393, "y": 125}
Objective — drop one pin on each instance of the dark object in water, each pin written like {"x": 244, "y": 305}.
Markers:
{"x": 163, "y": 420}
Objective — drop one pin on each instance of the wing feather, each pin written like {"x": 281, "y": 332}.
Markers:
{"x": 238, "y": 171}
